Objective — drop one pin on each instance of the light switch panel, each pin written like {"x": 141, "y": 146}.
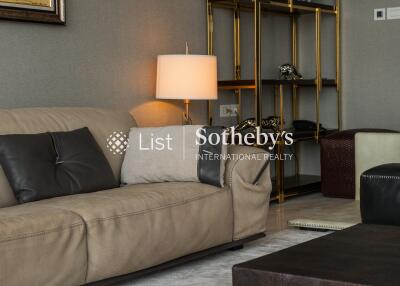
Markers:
{"x": 393, "y": 13}
{"x": 380, "y": 14}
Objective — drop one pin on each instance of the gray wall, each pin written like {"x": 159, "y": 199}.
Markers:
{"x": 105, "y": 56}
{"x": 371, "y": 66}
{"x": 370, "y": 73}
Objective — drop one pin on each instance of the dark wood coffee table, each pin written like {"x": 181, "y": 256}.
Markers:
{"x": 361, "y": 255}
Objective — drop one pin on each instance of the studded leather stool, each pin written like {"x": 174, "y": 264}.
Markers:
{"x": 379, "y": 196}
{"x": 338, "y": 163}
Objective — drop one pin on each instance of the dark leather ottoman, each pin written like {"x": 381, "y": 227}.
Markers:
{"x": 380, "y": 195}
{"x": 338, "y": 163}
{"x": 361, "y": 255}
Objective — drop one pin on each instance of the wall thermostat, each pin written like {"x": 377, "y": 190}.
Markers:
{"x": 380, "y": 14}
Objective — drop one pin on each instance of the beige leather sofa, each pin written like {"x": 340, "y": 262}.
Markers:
{"x": 375, "y": 149}
{"x": 84, "y": 238}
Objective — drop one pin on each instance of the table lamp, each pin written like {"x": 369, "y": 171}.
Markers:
{"x": 187, "y": 77}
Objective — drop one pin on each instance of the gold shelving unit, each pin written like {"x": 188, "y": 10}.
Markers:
{"x": 284, "y": 186}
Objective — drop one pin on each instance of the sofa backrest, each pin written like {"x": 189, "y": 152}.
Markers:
{"x": 101, "y": 122}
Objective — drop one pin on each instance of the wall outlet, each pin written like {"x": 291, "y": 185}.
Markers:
{"x": 380, "y": 14}
{"x": 228, "y": 110}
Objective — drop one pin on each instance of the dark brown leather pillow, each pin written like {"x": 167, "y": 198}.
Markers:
{"x": 53, "y": 164}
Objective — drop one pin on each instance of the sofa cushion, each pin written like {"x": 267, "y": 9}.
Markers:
{"x": 147, "y": 161}
{"x": 146, "y": 225}
{"x": 101, "y": 122}
{"x": 40, "y": 166}
{"x": 41, "y": 246}
{"x": 212, "y": 156}
{"x": 174, "y": 154}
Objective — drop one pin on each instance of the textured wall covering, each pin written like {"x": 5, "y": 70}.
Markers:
{"x": 105, "y": 56}
{"x": 371, "y": 66}
{"x": 370, "y": 72}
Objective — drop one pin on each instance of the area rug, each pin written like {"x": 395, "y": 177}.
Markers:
{"x": 217, "y": 270}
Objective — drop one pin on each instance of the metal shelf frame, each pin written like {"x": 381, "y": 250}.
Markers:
{"x": 291, "y": 8}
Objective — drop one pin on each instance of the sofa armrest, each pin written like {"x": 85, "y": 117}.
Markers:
{"x": 247, "y": 174}
{"x": 374, "y": 149}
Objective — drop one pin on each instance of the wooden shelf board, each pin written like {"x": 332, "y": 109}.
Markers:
{"x": 236, "y": 84}
{"x": 298, "y": 185}
{"x": 276, "y": 6}
{"x": 300, "y": 136}
{"x": 303, "y": 4}
{"x": 299, "y": 82}
{"x": 250, "y": 83}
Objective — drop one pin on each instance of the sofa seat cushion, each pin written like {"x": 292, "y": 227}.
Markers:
{"x": 146, "y": 225}
{"x": 41, "y": 246}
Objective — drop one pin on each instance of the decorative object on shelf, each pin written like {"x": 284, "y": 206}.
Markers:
{"x": 289, "y": 72}
{"x": 306, "y": 125}
{"x": 44, "y": 11}
{"x": 187, "y": 77}
{"x": 272, "y": 122}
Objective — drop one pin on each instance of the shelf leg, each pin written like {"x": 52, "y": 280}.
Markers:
{"x": 318, "y": 68}
{"x": 237, "y": 59}
{"x": 210, "y": 35}
{"x": 280, "y": 175}
{"x": 294, "y": 40}
{"x": 338, "y": 73}
{"x": 294, "y": 62}
{"x": 295, "y": 106}
{"x": 257, "y": 60}
{"x": 281, "y": 107}
{"x": 276, "y": 100}
{"x": 281, "y": 150}
{"x": 297, "y": 160}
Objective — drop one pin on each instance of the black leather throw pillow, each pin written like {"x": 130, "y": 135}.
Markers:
{"x": 41, "y": 166}
{"x": 209, "y": 169}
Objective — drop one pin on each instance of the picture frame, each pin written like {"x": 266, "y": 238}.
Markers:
{"x": 40, "y": 11}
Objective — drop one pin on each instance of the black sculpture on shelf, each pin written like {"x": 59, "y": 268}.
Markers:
{"x": 272, "y": 122}
{"x": 289, "y": 72}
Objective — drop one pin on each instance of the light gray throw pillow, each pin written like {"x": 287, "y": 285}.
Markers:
{"x": 164, "y": 154}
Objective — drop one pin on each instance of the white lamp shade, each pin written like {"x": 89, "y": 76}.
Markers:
{"x": 192, "y": 77}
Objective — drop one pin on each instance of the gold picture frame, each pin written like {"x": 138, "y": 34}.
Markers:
{"x": 43, "y": 11}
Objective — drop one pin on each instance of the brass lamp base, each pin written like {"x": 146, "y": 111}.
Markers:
{"x": 186, "y": 116}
